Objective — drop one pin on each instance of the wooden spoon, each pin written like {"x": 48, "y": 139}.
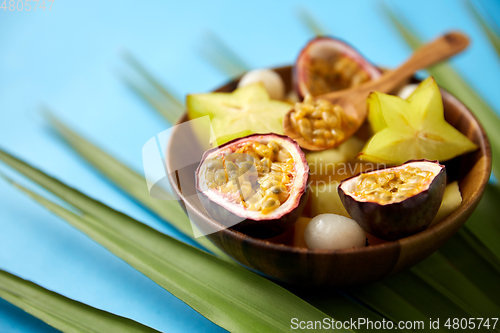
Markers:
{"x": 353, "y": 100}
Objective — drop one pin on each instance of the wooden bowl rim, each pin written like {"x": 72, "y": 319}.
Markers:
{"x": 484, "y": 147}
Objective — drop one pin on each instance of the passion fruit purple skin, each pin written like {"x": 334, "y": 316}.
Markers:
{"x": 319, "y": 46}
{"x": 400, "y": 219}
{"x": 254, "y": 223}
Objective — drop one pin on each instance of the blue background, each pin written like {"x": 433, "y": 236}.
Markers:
{"x": 70, "y": 60}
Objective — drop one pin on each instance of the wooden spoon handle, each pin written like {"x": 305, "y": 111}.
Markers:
{"x": 432, "y": 53}
{"x": 436, "y": 51}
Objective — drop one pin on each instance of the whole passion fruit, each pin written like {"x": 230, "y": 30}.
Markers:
{"x": 395, "y": 202}
{"x": 327, "y": 64}
{"x": 256, "y": 184}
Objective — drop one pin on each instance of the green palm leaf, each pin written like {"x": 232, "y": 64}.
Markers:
{"x": 156, "y": 94}
{"x": 490, "y": 32}
{"x": 228, "y": 295}
{"x": 476, "y": 268}
{"x": 132, "y": 183}
{"x": 311, "y": 23}
{"x": 63, "y": 313}
{"x": 387, "y": 302}
{"x": 426, "y": 291}
{"x": 437, "y": 272}
{"x": 217, "y": 53}
{"x": 339, "y": 305}
{"x": 484, "y": 221}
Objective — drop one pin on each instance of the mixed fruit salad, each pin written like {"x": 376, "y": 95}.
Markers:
{"x": 385, "y": 182}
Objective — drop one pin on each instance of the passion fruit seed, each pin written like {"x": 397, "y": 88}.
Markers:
{"x": 390, "y": 186}
{"x": 334, "y": 73}
{"x": 260, "y": 173}
{"x": 247, "y": 165}
{"x": 215, "y": 164}
{"x": 320, "y": 122}
{"x": 220, "y": 176}
{"x": 269, "y": 205}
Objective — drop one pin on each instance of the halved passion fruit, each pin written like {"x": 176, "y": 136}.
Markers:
{"x": 395, "y": 202}
{"x": 257, "y": 184}
{"x": 327, "y": 64}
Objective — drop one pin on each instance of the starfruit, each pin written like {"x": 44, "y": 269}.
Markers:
{"x": 246, "y": 110}
{"x": 412, "y": 129}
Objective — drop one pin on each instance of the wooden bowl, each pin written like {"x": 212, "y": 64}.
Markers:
{"x": 340, "y": 268}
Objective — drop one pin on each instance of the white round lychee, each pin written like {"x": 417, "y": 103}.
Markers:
{"x": 272, "y": 82}
{"x": 407, "y": 90}
{"x": 334, "y": 232}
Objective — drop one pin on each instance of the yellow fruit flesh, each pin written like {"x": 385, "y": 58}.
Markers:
{"x": 298, "y": 235}
{"x": 334, "y": 73}
{"x": 257, "y": 176}
{"x": 392, "y": 186}
{"x": 324, "y": 199}
{"x": 319, "y": 122}
{"x": 452, "y": 199}
{"x": 332, "y": 162}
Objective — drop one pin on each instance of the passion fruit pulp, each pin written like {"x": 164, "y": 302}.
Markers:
{"x": 320, "y": 123}
{"x": 256, "y": 184}
{"x": 327, "y": 64}
{"x": 395, "y": 202}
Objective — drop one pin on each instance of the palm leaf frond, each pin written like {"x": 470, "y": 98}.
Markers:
{"x": 217, "y": 53}
{"x": 154, "y": 93}
{"x": 228, "y": 295}
{"x": 132, "y": 183}
{"x": 489, "y": 29}
{"x": 62, "y": 313}
{"x": 311, "y": 23}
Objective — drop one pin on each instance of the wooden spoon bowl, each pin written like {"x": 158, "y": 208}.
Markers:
{"x": 340, "y": 268}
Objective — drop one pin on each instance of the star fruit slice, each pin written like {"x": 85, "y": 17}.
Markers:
{"x": 412, "y": 129}
{"x": 246, "y": 110}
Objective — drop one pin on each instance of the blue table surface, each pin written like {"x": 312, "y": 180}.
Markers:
{"x": 70, "y": 60}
